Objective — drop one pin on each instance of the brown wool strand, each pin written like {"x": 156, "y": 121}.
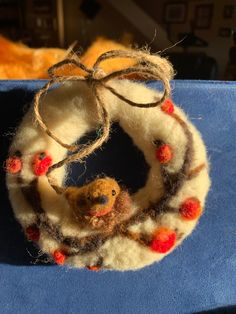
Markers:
{"x": 97, "y": 82}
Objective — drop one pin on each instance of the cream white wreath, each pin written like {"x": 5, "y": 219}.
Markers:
{"x": 156, "y": 219}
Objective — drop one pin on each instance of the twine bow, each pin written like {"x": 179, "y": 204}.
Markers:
{"x": 147, "y": 66}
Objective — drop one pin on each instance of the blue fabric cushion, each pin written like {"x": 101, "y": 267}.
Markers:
{"x": 198, "y": 276}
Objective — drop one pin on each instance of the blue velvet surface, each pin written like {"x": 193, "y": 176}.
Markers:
{"x": 198, "y": 276}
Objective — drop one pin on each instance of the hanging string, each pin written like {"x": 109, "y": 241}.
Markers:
{"x": 146, "y": 66}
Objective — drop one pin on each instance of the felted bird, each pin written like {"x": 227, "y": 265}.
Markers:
{"x": 100, "y": 204}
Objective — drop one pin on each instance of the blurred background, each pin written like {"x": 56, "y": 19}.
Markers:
{"x": 198, "y": 36}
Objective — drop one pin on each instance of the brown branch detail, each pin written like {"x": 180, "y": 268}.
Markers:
{"x": 194, "y": 172}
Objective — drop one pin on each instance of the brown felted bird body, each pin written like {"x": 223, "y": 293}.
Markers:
{"x": 100, "y": 204}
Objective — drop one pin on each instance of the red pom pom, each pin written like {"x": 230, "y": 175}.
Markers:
{"x": 168, "y": 106}
{"x": 164, "y": 239}
{"x": 13, "y": 165}
{"x": 41, "y": 163}
{"x": 59, "y": 257}
{"x": 190, "y": 209}
{"x": 93, "y": 268}
{"x": 164, "y": 153}
{"x": 33, "y": 233}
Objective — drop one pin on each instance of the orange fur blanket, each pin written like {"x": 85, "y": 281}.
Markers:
{"x": 18, "y": 61}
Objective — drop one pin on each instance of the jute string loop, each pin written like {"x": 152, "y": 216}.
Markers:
{"x": 145, "y": 66}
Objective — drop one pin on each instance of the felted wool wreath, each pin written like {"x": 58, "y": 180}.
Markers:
{"x": 100, "y": 225}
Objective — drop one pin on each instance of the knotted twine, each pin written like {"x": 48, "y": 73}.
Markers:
{"x": 146, "y": 66}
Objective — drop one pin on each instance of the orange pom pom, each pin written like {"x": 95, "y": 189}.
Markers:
{"x": 13, "y": 165}
{"x": 191, "y": 209}
{"x": 33, "y": 233}
{"x": 164, "y": 153}
{"x": 164, "y": 239}
{"x": 93, "y": 268}
{"x": 59, "y": 257}
{"x": 41, "y": 163}
{"x": 168, "y": 106}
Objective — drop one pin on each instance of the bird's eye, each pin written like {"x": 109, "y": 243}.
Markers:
{"x": 81, "y": 202}
{"x": 89, "y": 197}
{"x": 113, "y": 192}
